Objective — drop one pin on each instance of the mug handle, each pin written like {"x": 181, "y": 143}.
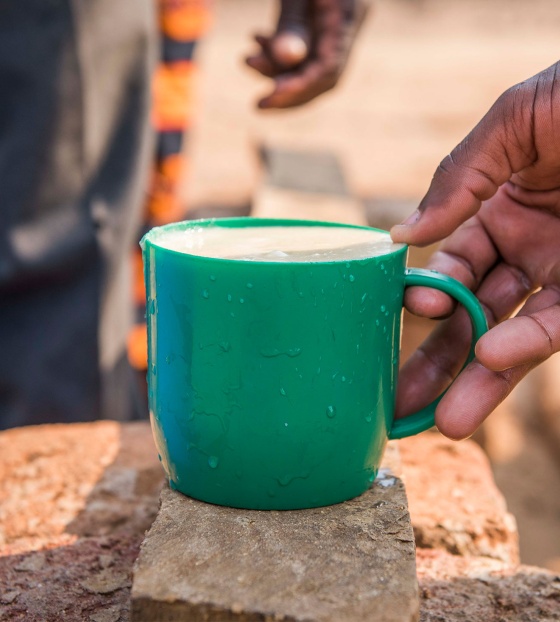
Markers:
{"x": 425, "y": 418}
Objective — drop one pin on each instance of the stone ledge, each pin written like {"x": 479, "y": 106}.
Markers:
{"x": 453, "y": 499}
{"x": 353, "y": 561}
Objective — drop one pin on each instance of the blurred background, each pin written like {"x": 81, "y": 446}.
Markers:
{"x": 422, "y": 74}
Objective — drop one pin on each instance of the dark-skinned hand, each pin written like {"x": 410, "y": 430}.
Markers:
{"x": 309, "y": 49}
{"x": 497, "y": 197}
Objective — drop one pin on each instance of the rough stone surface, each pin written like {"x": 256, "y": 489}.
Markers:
{"x": 60, "y": 482}
{"x": 75, "y": 502}
{"x": 352, "y": 561}
{"x": 69, "y": 582}
{"x": 454, "y": 502}
{"x": 459, "y": 589}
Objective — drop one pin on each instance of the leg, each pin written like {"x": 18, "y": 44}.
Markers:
{"x": 74, "y": 147}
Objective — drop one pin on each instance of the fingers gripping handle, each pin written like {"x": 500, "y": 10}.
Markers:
{"x": 425, "y": 418}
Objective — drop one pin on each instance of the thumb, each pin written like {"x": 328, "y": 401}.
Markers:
{"x": 290, "y": 45}
{"x": 500, "y": 145}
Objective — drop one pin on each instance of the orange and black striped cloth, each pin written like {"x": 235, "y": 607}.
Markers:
{"x": 182, "y": 23}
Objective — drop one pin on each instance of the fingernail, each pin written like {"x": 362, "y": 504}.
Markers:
{"x": 412, "y": 219}
{"x": 289, "y": 48}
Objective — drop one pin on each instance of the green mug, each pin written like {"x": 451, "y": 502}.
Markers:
{"x": 272, "y": 385}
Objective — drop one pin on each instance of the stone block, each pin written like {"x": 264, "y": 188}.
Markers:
{"x": 354, "y": 561}
{"x": 454, "y": 502}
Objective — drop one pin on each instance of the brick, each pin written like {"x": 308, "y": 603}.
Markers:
{"x": 75, "y": 501}
{"x": 457, "y": 588}
{"x": 454, "y": 502}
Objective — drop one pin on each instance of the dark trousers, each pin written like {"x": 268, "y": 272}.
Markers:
{"x": 75, "y": 148}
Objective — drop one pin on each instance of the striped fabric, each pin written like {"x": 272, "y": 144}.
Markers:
{"x": 182, "y": 23}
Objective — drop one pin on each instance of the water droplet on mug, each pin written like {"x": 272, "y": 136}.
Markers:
{"x": 383, "y": 308}
{"x": 331, "y": 412}
{"x": 282, "y": 391}
{"x": 343, "y": 378}
{"x": 242, "y": 300}
{"x": 364, "y": 296}
{"x": 212, "y": 277}
{"x": 205, "y": 293}
{"x": 377, "y": 322}
{"x": 152, "y": 306}
{"x": 250, "y": 285}
{"x": 368, "y": 418}
{"x": 229, "y": 298}
{"x": 371, "y": 478}
{"x": 213, "y": 462}
{"x": 351, "y": 278}
{"x": 382, "y": 266}
{"x": 154, "y": 370}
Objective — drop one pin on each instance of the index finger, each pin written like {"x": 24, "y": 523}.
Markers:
{"x": 500, "y": 145}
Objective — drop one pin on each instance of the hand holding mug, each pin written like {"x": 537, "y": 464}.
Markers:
{"x": 497, "y": 197}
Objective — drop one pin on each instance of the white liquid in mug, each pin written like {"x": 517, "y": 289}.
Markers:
{"x": 279, "y": 243}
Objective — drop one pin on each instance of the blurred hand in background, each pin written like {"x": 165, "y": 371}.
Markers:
{"x": 497, "y": 197}
{"x": 309, "y": 49}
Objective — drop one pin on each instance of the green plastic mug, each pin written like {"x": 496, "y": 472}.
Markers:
{"x": 272, "y": 385}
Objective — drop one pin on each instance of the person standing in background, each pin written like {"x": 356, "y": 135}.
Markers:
{"x": 76, "y": 147}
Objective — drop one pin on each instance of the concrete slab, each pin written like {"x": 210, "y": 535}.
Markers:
{"x": 354, "y": 561}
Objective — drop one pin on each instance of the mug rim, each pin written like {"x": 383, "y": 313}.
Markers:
{"x": 252, "y": 221}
